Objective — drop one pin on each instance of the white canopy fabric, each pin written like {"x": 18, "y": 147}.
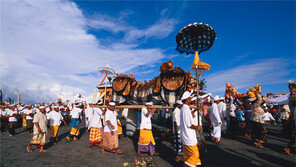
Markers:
{"x": 279, "y": 100}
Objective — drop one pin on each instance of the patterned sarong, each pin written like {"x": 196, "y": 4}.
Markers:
{"x": 54, "y": 130}
{"x": 38, "y": 139}
{"x": 259, "y": 132}
{"x": 191, "y": 155}
{"x": 95, "y": 136}
{"x": 146, "y": 141}
{"x": 178, "y": 147}
{"x": 110, "y": 141}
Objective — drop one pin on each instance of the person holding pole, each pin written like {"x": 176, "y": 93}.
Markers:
{"x": 188, "y": 134}
{"x": 146, "y": 140}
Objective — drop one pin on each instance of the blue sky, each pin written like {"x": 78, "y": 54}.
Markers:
{"x": 247, "y": 32}
{"x": 60, "y": 44}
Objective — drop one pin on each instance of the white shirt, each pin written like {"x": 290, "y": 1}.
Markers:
{"x": 112, "y": 117}
{"x": 88, "y": 113}
{"x": 3, "y": 112}
{"x": 27, "y": 112}
{"x": 54, "y": 118}
{"x": 41, "y": 120}
{"x": 47, "y": 114}
{"x": 97, "y": 116}
{"x": 232, "y": 107}
{"x": 215, "y": 116}
{"x": 20, "y": 108}
{"x": 188, "y": 135}
{"x": 145, "y": 120}
{"x": 176, "y": 118}
{"x": 267, "y": 117}
{"x": 10, "y": 113}
{"x": 222, "y": 110}
{"x": 47, "y": 109}
{"x": 75, "y": 113}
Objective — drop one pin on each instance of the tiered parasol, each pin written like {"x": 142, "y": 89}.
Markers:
{"x": 194, "y": 39}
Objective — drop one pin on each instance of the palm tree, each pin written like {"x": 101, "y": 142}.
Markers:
{"x": 202, "y": 85}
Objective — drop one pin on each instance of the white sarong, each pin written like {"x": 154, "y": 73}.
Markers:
{"x": 216, "y": 133}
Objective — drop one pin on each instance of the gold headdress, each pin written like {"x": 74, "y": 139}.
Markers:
{"x": 292, "y": 86}
{"x": 253, "y": 91}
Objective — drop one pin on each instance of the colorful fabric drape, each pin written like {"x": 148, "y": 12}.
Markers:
{"x": 146, "y": 137}
{"x": 110, "y": 140}
{"x": 191, "y": 155}
{"x": 38, "y": 139}
{"x": 95, "y": 136}
{"x": 74, "y": 131}
{"x": 146, "y": 141}
{"x": 54, "y": 130}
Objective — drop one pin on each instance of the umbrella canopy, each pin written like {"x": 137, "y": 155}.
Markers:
{"x": 195, "y": 37}
{"x": 106, "y": 70}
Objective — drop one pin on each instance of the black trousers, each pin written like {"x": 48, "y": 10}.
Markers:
{"x": 12, "y": 126}
{"x": 29, "y": 125}
{"x": 291, "y": 133}
{"x": 4, "y": 125}
{"x": 233, "y": 125}
{"x": 248, "y": 128}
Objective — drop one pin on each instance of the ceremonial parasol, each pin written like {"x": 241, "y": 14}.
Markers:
{"x": 106, "y": 71}
{"x": 196, "y": 38}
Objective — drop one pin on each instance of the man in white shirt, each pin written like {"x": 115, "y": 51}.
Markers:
{"x": 110, "y": 137}
{"x": 88, "y": 114}
{"x": 197, "y": 119}
{"x": 4, "y": 119}
{"x": 146, "y": 141}
{"x": 74, "y": 115}
{"x": 233, "y": 128}
{"x": 188, "y": 134}
{"x": 12, "y": 113}
{"x": 55, "y": 118}
{"x": 29, "y": 113}
{"x": 95, "y": 124}
{"x": 223, "y": 115}
{"x": 267, "y": 117}
{"x": 216, "y": 121}
{"x": 39, "y": 130}
{"x": 178, "y": 147}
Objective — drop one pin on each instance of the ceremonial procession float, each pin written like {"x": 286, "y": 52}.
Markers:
{"x": 172, "y": 82}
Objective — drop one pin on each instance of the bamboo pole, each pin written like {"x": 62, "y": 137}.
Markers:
{"x": 141, "y": 106}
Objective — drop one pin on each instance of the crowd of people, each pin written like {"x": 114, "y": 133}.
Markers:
{"x": 214, "y": 118}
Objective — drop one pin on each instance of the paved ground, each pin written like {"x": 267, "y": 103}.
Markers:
{"x": 233, "y": 152}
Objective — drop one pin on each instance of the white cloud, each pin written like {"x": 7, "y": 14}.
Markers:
{"x": 265, "y": 72}
{"x": 160, "y": 29}
{"x": 45, "y": 43}
{"x": 108, "y": 23}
